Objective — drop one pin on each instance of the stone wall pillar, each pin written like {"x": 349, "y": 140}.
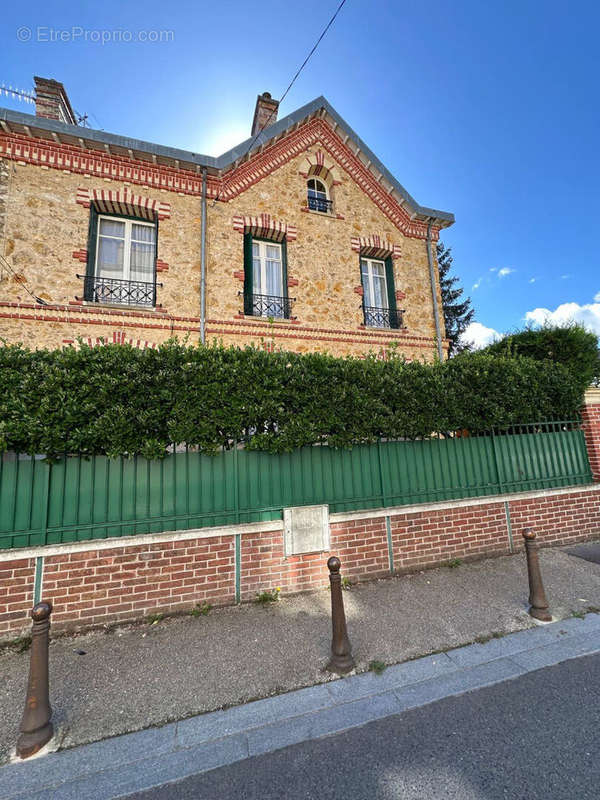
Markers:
{"x": 590, "y": 414}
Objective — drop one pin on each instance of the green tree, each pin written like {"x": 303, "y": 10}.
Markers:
{"x": 458, "y": 313}
{"x": 569, "y": 344}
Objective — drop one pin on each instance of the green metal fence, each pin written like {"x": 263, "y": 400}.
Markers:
{"x": 81, "y": 498}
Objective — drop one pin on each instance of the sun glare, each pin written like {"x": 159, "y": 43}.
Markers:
{"x": 222, "y": 138}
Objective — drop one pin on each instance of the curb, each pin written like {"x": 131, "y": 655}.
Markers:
{"x": 137, "y": 761}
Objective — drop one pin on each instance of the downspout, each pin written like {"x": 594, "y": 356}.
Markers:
{"x": 203, "y": 262}
{"x": 436, "y": 319}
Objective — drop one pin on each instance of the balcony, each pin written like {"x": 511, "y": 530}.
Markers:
{"x": 382, "y": 317}
{"x": 267, "y": 305}
{"x": 320, "y": 204}
{"x": 119, "y": 292}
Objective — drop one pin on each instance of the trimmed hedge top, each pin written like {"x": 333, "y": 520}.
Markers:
{"x": 116, "y": 399}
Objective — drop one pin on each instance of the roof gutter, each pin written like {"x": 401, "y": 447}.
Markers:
{"x": 436, "y": 317}
{"x": 203, "y": 261}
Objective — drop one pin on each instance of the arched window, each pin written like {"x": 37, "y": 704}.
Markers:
{"x": 317, "y": 196}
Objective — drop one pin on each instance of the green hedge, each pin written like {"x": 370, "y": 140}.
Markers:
{"x": 116, "y": 399}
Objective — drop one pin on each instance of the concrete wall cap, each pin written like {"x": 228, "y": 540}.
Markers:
{"x": 592, "y": 396}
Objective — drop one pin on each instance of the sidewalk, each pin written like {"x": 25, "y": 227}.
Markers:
{"x": 148, "y": 675}
{"x": 134, "y": 762}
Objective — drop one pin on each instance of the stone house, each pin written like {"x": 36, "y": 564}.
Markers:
{"x": 298, "y": 238}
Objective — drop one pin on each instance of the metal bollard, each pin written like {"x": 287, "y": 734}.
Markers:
{"x": 537, "y": 596}
{"x": 36, "y": 729}
{"x": 341, "y": 660}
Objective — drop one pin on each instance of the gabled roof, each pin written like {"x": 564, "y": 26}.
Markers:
{"x": 18, "y": 122}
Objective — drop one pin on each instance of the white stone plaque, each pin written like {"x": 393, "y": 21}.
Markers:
{"x": 306, "y": 529}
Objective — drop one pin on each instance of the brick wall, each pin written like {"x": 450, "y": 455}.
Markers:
{"x": 361, "y": 544}
{"x": 263, "y": 566}
{"x": 95, "y": 583}
{"x": 96, "y": 586}
{"x": 425, "y": 538}
{"x": 556, "y": 521}
{"x": 591, "y": 426}
{"x": 16, "y": 595}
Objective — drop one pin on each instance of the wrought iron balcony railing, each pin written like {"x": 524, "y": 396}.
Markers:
{"x": 268, "y": 305}
{"x": 116, "y": 290}
{"x": 319, "y": 204}
{"x": 382, "y": 317}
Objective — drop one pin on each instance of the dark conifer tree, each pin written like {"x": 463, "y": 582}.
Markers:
{"x": 458, "y": 313}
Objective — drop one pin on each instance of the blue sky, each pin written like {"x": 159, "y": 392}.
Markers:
{"x": 489, "y": 110}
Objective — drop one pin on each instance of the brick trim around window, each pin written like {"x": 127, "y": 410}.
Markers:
{"x": 264, "y": 226}
{"x": 375, "y": 246}
{"x": 125, "y": 202}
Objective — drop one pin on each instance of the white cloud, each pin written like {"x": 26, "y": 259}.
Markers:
{"x": 478, "y": 335}
{"x": 565, "y": 277}
{"x": 493, "y": 269}
{"x": 477, "y": 284}
{"x": 587, "y": 315}
{"x": 502, "y": 273}
{"x": 532, "y": 280}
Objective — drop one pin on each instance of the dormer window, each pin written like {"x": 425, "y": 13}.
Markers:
{"x": 318, "y": 199}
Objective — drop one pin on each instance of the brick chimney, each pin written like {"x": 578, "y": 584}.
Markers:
{"x": 265, "y": 113}
{"x": 51, "y": 101}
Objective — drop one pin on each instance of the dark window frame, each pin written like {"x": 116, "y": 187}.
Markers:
{"x": 90, "y": 272}
{"x": 323, "y": 205}
{"x": 394, "y": 315}
{"x": 249, "y": 296}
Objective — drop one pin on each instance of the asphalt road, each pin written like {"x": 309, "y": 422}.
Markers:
{"x": 536, "y": 737}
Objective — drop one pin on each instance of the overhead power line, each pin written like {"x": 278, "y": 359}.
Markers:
{"x": 293, "y": 81}
{"x": 304, "y": 63}
{"x": 21, "y": 281}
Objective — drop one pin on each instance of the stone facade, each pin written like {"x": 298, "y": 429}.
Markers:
{"x": 322, "y": 261}
{"x": 44, "y": 239}
{"x": 5, "y": 167}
